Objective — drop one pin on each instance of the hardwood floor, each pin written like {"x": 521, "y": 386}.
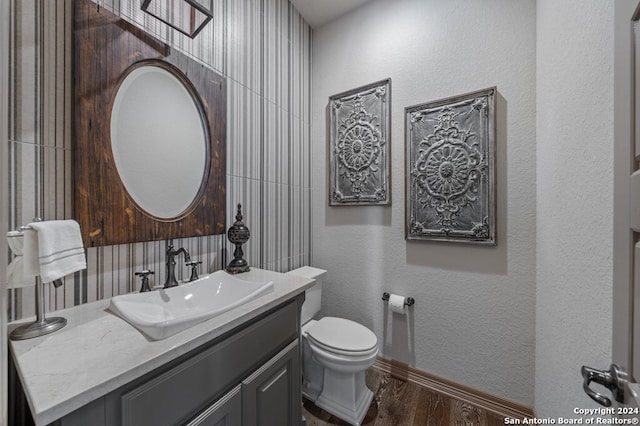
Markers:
{"x": 399, "y": 403}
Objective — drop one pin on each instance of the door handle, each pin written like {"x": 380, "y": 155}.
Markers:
{"x": 615, "y": 380}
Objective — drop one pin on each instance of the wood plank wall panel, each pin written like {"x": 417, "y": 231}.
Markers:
{"x": 261, "y": 47}
{"x": 105, "y": 49}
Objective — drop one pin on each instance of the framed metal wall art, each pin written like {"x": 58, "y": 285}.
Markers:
{"x": 359, "y": 146}
{"x": 450, "y": 171}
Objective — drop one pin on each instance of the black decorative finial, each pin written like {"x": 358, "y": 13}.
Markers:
{"x": 238, "y": 234}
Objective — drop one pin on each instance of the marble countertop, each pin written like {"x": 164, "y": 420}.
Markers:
{"x": 97, "y": 352}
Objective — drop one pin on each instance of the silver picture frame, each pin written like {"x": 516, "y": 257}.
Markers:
{"x": 359, "y": 146}
{"x": 450, "y": 169}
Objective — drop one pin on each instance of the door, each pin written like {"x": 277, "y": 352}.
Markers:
{"x": 271, "y": 395}
{"x": 621, "y": 377}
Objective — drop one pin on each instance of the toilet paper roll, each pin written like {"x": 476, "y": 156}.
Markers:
{"x": 396, "y": 304}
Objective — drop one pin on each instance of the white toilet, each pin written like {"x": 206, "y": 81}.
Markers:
{"x": 335, "y": 354}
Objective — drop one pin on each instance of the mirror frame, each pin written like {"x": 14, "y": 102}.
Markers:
{"x": 106, "y": 49}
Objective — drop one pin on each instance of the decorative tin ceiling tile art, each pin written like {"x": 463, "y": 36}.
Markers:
{"x": 450, "y": 176}
{"x": 359, "y": 146}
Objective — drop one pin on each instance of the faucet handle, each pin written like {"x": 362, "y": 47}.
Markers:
{"x": 194, "y": 269}
{"x": 145, "y": 279}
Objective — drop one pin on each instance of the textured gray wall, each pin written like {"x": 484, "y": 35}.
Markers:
{"x": 262, "y": 47}
{"x": 474, "y": 317}
{"x": 575, "y": 139}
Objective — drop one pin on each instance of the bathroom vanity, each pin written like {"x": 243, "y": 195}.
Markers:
{"x": 240, "y": 367}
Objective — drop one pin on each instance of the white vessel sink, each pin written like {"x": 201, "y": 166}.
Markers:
{"x": 162, "y": 313}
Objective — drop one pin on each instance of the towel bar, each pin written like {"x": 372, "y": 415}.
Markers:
{"x": 42, "y": 325}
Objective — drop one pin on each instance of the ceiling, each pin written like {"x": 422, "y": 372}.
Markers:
{"x": 319, "y": 12}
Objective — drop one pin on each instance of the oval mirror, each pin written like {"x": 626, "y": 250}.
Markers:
{"x": 159, "y": 141}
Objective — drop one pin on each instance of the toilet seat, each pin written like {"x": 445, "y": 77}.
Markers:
{"x": 342, "y": 353}
{"x": 343, "y": 337}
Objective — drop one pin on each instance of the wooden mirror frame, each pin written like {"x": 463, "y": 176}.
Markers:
{"x": 105, "y": 47}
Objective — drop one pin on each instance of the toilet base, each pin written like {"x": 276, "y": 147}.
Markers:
{"x": 345, "y": 396}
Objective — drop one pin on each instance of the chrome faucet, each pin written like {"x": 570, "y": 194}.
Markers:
{"x": 171, "y": 264}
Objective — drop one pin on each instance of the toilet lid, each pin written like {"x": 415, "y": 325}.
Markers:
{"x": 343, "y": 334}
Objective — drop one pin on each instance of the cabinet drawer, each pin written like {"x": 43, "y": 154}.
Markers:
{"x": 174, "y": 396}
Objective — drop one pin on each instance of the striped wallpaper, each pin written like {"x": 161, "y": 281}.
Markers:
{"x": 262, "y": 47}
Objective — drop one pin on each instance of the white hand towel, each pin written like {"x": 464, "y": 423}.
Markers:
{"x": 15, "y": 270}
{"x": 58, "y": 247}
{"x": 30, "y": 255}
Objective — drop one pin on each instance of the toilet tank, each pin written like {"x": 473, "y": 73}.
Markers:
{"x": 313, "y": 294}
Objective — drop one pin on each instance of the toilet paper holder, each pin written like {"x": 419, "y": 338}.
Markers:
{"x": 408, "y": 301}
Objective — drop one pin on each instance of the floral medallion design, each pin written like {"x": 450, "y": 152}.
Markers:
{"x": 450, "y": 169}
{"x": 359, "y": 166}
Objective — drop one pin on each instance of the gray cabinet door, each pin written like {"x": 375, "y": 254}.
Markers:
{"x": 227, "y": 411}
{"x": 271, "y": 395}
